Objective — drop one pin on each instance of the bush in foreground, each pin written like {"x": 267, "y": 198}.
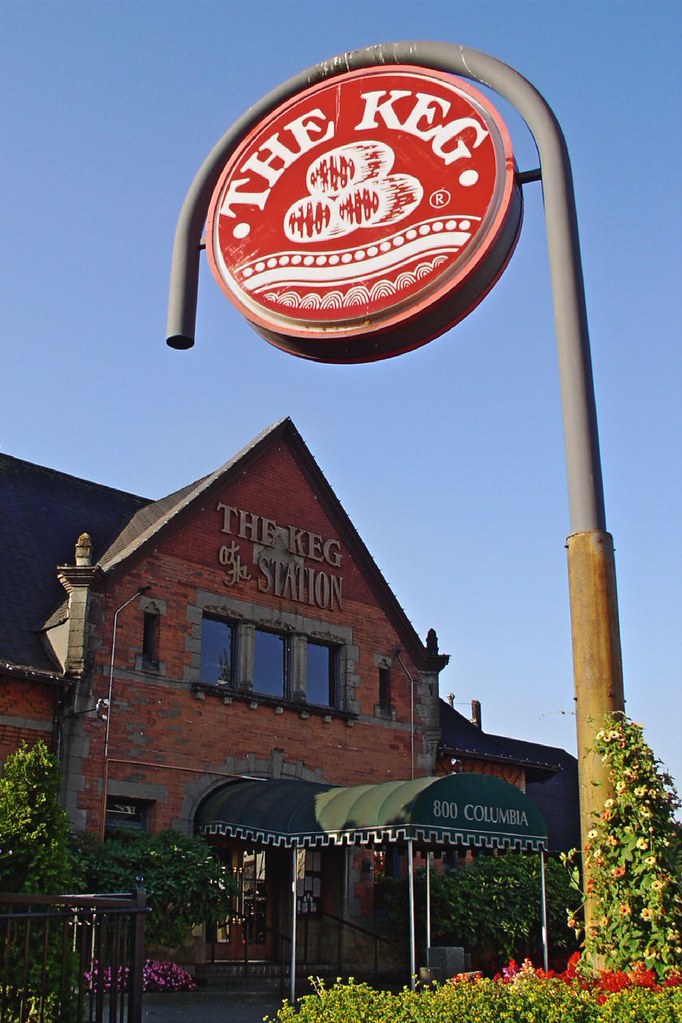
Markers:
{"x": 518, "y": 995}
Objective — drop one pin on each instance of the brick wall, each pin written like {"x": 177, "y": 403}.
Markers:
{"x": 166, "y": 731}
{"x": 26, "y": 713}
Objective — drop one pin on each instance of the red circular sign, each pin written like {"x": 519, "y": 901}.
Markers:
{"x": 366, "y": 215}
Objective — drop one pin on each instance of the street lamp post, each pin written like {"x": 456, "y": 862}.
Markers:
{"x": 591, "y": 571}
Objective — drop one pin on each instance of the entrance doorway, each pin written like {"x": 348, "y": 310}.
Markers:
{"x": 247, "y": 931}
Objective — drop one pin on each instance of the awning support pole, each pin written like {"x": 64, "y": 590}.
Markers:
{"x": 294, "y": 878}
{"x": 543, "y": 911}
{"x": 428, "y": 908}
{"x": 410, "y": 876}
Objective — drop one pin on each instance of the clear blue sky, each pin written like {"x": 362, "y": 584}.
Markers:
{"x": 449, "y": 460}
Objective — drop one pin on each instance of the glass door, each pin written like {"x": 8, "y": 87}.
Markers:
{"x": 245, "y": 933}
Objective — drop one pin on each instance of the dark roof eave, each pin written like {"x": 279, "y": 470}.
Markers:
{"x": 31, "y": 674}
{"x": 460, "y": 751}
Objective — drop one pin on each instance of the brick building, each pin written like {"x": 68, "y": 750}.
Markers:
{"x": 235, "y": 631}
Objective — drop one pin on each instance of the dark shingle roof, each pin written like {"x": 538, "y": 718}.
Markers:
{"x": 42, "y": 513}
{"x": 157, "y": 514}
{"x": 461, "y": 736}
{"x": 551, "y": 773}
{"x": 557, "y": 800}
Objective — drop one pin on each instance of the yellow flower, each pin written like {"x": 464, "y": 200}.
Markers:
{"x": 642, "y": 843}
{"x": 646, "y": 913}
{"x": 625, "y": 910}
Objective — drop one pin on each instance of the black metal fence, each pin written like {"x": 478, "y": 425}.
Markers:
{"x": 71, "y": 958}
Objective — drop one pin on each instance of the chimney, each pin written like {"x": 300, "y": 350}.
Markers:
{"x": 476, "y": 713}
{"x": 451, "y": 700}
{"x": 78, "y": 580}
{"x": 83, "y": 551}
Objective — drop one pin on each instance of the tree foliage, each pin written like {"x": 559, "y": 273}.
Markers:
{"x": 35, "y": 852}
{"x": 491, "y": 908}
{"x": 35, "y": 859}
{"x": 185, "y": 884}
{"x": 632, "y": 858}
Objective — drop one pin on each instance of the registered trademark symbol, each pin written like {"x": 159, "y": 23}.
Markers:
{"x": 440, "y": 198}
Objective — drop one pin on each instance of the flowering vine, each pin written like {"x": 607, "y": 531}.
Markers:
{"x": 632, "y": 857}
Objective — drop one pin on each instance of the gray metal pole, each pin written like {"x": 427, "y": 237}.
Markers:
{"x": 428, "y": 908}
{"x": 294, "y": 879}
{"x": 592, "y": 581}
{"x": 410, "y": 883}
{"x": 580, "y": 422}
{"x": 543, "y": 911}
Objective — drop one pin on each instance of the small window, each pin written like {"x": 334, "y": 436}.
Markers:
{"x": 126, "y": 813}
{"x": 384, "y": 689}
{"x": 217, "y": 651}
{"x": 270, "y": 664}
{"x": 322, "y": 674}
{"x": 150, "y": 640}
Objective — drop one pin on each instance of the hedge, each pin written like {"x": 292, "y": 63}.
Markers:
{"x": 520, "y": 996}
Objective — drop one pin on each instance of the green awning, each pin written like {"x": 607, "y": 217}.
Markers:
{"x": 460, "y": 809}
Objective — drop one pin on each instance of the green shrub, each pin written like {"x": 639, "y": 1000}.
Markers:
{"x": 632, "y": 859}
{"x": 527, "y": 997}
{"x": 491, "y": 908}
{"x": 19, "y": 1007}
{"x": 35, "y": 859}
{"x": 35, "y": 849}
{"x": 184, "y": 882}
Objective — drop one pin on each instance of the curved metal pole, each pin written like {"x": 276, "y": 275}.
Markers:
{"x": 592, "y": 580}
{"x": 580, "y": 421}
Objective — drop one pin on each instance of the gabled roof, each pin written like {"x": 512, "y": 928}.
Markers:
{"x": 151, "y": 521}
{"x": 47, "y": 511}
{"x": 551, "y": 773}
{"x": 156, "y": 516}
{"x": 42, "y": 513}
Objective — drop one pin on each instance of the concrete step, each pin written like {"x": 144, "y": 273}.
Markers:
{"x": 263, "y": 976}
